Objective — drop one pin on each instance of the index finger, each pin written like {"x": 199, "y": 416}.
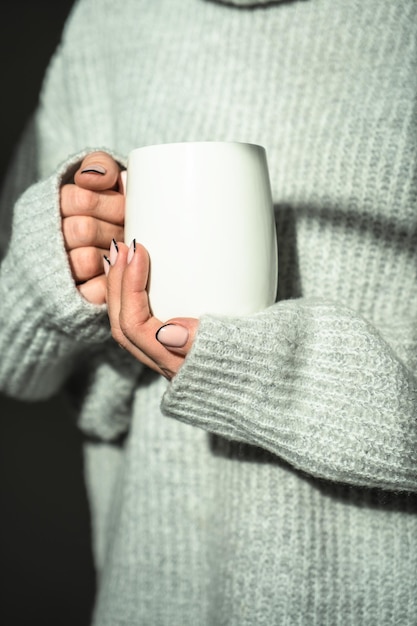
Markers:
{"x": 98, "y": 171}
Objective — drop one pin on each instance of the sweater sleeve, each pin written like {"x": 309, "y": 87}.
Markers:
{"x": 51, "y": 338}
{"x": 312, "y": 383}
{"x": 44, "y": 321}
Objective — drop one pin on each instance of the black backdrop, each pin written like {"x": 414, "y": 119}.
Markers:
{"x": 47, "y": 575}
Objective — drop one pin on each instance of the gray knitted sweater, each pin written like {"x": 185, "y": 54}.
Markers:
{"x": 273, "y": 481}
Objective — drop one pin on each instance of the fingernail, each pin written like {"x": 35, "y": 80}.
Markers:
{"x": 114, "y": 251}
{"x": 132, "y": 250}
{"x": 106, "y": 264}
{"x": 123, "y": 182}
{"x": 94, "y": 168}
{"x": 172, "y": 335}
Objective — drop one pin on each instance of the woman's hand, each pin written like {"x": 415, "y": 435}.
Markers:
{"x": 160, "y": 346}
{"x": 92, "y": 211}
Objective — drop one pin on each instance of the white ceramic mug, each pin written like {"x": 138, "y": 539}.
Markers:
{"x": 204, "y": 212}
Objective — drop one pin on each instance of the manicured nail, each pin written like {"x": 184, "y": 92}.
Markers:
{"x": 172, "y": 335}
{"x": 94, "y": 168}
{"x": 106, "y": 264}
{"x": 123, "y": 182}
{"x": 114, "y": 251}
{"x": 132, "y": 250}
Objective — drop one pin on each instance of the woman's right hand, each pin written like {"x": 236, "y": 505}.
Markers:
{"x": 92, "y": 210}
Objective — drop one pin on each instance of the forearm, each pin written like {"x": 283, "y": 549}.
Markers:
{"x": 313, "y": 384}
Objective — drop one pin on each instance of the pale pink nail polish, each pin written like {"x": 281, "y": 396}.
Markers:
{"x": 94, "y": 168}
{"x": 123, "y": 182}
{"x": 132, "y": 250}
{"x": 106, "y": 264}
{"x": 114, "y": 251}
{"x": 172, "y": 335}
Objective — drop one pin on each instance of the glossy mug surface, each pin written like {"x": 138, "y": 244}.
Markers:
{"x": 204, "y": 212}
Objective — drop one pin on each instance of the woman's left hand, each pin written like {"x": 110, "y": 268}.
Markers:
{"x": 162, "y": 346}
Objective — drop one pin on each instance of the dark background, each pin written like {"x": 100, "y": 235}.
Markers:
{"x": 47, "y": 574}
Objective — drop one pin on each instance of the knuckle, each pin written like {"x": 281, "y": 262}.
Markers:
{"x": 82, "y": 229}
{"x": 84, "y": 259}
{"x": 93, "y": 291}
{"x": 117, "y": 335}
{"x": 84, "y": 200}
{"x": 132, "y": 323}
{"x": 65, "y": 194}
{"x": 124, "y": 326}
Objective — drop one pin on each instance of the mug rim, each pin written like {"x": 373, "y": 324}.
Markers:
{"x": 191, "y": 142}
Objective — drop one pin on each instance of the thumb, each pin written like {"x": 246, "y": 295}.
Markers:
{"x": 98, "y": 171}
{"x": 177, "y": 335}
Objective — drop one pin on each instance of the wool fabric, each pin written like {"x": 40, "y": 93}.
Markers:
{"x": 273, "y": 480}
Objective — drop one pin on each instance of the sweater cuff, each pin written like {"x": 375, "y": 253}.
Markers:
{"x": 35, "y": 272}
{"x": 209, "y": 385}
{"x": 44, "y": 320}
{"x": 312, "y": 382}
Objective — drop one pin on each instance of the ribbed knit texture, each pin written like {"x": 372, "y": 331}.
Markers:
{"x": 273, "y": 481}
